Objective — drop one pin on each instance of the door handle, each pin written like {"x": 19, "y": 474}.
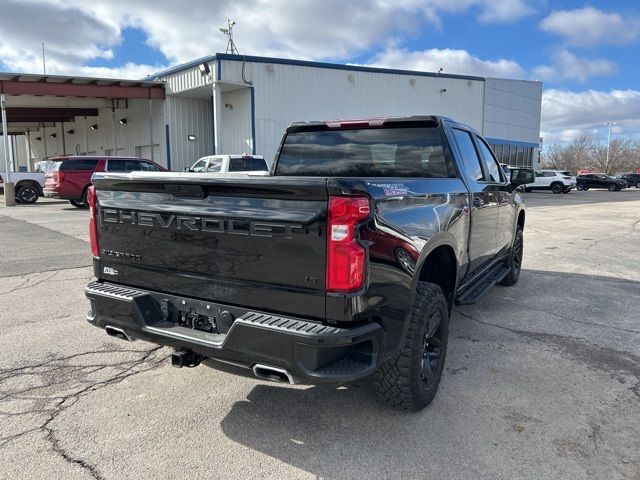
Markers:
{"x": 477, "y": 203}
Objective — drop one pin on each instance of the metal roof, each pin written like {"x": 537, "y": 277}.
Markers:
{"x": 304, "y": 63}
{"x": 71, "y": 86}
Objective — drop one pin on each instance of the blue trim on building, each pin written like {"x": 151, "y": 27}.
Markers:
{"x": 218, "y": 70}
{"x": 500, "y": 141}
{"x": 168, "y": 142}
{"x": 305, "y": 63}
{"x": 253, "y": 120}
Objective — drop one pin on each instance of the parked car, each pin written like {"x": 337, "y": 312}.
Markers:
{"x": 223, "y": 164}
{"x": 631, "y": 179}
{"x": 69, "y": 178}
{"x": 288, "y": 276}
{"x": 599, "y": 180}
{"x": 28, "y": 186}
{"x": 558, "y": 181}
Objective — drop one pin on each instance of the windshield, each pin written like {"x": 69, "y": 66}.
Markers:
{"x": 370, "y": 152}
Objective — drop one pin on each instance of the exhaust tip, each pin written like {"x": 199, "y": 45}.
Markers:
{"x": 117, "y": 333}
{"x": 274, "y": 374}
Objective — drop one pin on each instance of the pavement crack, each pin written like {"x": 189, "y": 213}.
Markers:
{"x": 146, "y": 360}
{"x": 584, "y": 322}
{"x": 600, "y": 358}
{"x": 27, "y": 284}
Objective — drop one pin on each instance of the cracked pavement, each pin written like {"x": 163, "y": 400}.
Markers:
{"x": 542, "y": 379}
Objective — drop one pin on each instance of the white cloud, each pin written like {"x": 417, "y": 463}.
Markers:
{"x": 567, "y": 114}
{"x": 589, "y": 26}
{"x": 452, "y": 61}
{"x": 78, "y": 31}
{"x": 568, "y": 66}
{"x": 505, "y": 11}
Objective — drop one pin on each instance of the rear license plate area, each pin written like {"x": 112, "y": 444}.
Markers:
{"x": 197, "y": 321}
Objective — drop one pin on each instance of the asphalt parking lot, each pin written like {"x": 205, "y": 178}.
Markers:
{"x": 542, "y": 379}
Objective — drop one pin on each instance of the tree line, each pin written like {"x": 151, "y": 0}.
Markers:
{"x": 584, "y": 153}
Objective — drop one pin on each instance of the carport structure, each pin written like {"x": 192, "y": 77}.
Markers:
{"x": 62, "y": 115}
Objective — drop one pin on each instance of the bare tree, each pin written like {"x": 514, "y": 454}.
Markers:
{"x": 583, "y": 153}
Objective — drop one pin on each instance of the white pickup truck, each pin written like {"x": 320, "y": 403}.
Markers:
{"x": 223, "y": 164}
{"x": 28, "y": 185}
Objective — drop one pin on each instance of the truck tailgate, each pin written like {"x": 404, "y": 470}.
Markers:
{"x": 254, "y": 242}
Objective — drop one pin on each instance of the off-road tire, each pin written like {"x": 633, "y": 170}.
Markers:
{"x": 400, "y": 380}
{"x": 515, "y": 260}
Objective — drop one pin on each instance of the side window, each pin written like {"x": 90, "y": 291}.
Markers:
{"x": 148, "y": 167}
{"x": 133, "y": 166}
{"x": 199, "y": 166}
{"x": 84, "y": 164}
{"x": 215, "y": 165}
{"x": 469, "y": 155}
{"x": 116, "y": 166}
{"x": 489, "y": 160}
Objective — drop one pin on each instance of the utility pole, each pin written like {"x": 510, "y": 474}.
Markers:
{"x": 9, "y": 192}
{"x": 608, "y": 144}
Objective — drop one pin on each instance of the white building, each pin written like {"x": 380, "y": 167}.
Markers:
{"x": 236, "y": 104}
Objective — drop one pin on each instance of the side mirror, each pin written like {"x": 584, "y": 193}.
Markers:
{"x": 522, "y": 176}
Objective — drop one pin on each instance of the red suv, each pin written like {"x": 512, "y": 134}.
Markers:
{"x": 69, "y": 178}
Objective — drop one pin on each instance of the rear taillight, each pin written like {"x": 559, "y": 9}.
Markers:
{"x": 567, "y": 178}
{"x": 93, "y": 221}
{"x": 58, "y": 177}
{"x": 345, "y": 256}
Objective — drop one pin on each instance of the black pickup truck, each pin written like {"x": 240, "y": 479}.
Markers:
{"x": 345, "y": 263}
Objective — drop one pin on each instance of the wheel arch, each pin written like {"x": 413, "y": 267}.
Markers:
{"x": 29, "y": 182}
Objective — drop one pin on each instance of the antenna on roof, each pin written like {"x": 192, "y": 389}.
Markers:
{"x": 231, "y": 46}
{"x": 44, "y": 63}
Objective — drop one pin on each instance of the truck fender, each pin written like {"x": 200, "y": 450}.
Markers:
{"x": 442, "y": 239}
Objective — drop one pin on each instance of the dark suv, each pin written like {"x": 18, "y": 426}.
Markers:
{"x": 632, "y": 179}
{"x": 599, "y": 180}
{"x": 69, "y": 178}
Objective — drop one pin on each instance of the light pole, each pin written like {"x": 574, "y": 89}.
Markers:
{"x": 609, "y": 141}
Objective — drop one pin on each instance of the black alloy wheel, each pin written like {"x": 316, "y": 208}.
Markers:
{"x": 557, "y": 188}
{"x": 431, "y": 347}
{"x": 27, "y": 194}
{"x": 580, "y": 186}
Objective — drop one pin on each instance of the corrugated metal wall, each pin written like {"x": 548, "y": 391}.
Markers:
{"x": 188, "y": 116}
{"x": 287, "y": 93}
{"x": 186, "y": 80}
{"x": 18, "y": 145}
{"x": 131, "y": 138}
{"x": 235, "y": 123}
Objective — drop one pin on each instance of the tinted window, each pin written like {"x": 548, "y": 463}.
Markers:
{"x": 489, "y": 162}
{"x": 82, "y": 164}
{"x": 247, "y": 164}
{"x": 148, "y": 167}
{"x": 469, "y": 155}
{"x": 372, "y": 152}
{"x": 124, "y": 166}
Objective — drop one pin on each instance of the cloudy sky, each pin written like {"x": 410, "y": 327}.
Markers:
{"x": 585, "y": 53}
